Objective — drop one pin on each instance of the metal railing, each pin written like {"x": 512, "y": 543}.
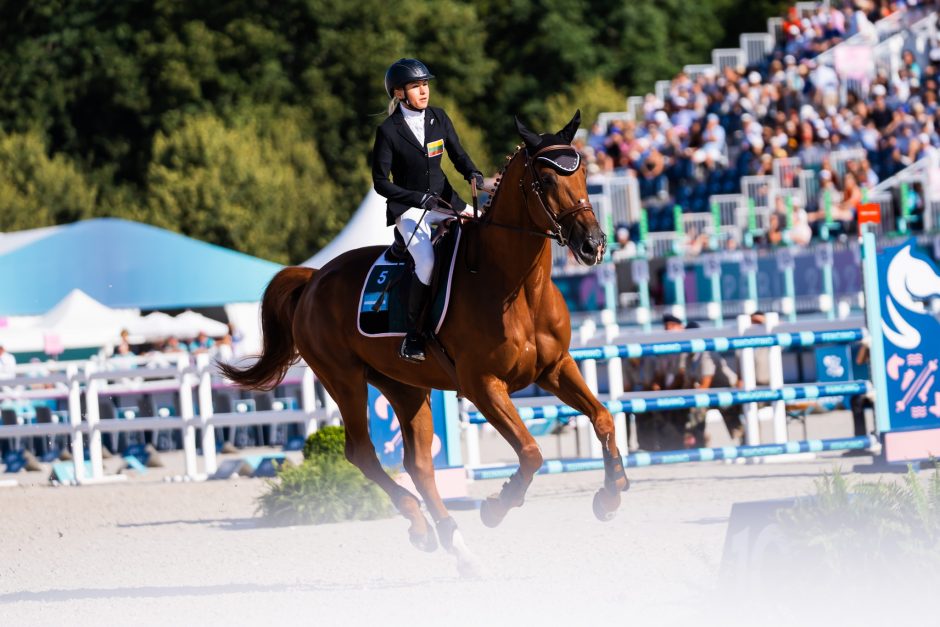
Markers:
{"x": 662, "y": 90}
{"x": 786, "y": 171}
{"x": 733, "y": 209}
{"x": 839, "y": 158}
{"x": 635, "y": 108}
{"x": 702, "y": 69}
{"x": 756, "y": 47}
{"x": 728, "y": 57}
{"x": 605, "y": 118}
{"x": 759, "y": 189}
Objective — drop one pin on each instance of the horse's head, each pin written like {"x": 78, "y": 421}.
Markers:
{"x": 555, "y": 190}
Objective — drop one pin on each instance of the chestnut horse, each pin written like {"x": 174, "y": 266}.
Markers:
{"x": 507, "y": 327}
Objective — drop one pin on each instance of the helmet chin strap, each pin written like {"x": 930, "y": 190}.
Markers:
{"x": 406, "y": 102}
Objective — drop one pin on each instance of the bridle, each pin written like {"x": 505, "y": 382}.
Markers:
{"x": 556, "y": 230}
{"x": 583, "y": 204}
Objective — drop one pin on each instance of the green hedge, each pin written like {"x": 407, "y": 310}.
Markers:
{"x": 325, "y": 488}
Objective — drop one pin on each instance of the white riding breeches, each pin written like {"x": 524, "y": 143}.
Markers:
{"x": 420, "y": 247}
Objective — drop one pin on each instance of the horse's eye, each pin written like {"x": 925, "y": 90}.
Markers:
{"x": 548, "y": 179}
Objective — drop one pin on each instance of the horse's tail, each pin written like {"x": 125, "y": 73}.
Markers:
{"x": 277, "y": 317}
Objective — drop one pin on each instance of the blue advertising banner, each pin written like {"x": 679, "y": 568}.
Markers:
{"x": 908, "y": 279}
{"x": 847, "y": 276}
{"x": 386, "y": 431}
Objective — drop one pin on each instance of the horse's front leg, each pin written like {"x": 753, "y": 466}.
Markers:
{"x": 492, "y": 399}
{"x": 564, "y": 380}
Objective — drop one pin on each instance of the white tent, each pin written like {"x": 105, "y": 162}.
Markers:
{"x": 77, "y": 321}
{"x": 187, "y": 325}
{"x": 153, "y": 326}
{"x": 79, "y": 311}
{"x": 190, "y": 324}
{"x": 365, "y": 228}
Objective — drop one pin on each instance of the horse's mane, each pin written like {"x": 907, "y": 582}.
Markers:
{"x": 499, "y": 176}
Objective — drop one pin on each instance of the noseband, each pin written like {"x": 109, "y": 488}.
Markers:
{"x": 583, "y": 204}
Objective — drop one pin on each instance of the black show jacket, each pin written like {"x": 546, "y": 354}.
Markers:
{"x": 414, "y": 172}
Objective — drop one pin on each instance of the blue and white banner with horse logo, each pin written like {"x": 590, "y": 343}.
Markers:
{"x": 908, "y": 280}
{"x": 386, "y": 431}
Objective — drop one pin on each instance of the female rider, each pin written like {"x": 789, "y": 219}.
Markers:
{"x": 408, "y": 146}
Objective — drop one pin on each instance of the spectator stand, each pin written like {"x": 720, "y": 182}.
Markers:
{"x": 914, "y": 28}
{"x": 788, "y": 185}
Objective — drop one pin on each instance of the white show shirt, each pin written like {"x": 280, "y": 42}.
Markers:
{"x": 415, "y": 121}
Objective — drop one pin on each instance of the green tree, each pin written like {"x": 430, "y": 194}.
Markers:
{"x": 108, "y": 87}
{"x": 255, "y": 186}
{"x": 36, "y": 190}
{"x": 593, "y": 97}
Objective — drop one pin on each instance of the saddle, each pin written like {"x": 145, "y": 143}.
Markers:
{"x": 383, "y": 305}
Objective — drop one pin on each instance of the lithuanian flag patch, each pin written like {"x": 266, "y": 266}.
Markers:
{"x": 436, "y": 148}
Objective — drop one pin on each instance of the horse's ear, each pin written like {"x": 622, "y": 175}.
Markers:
{"x": 571, "y": 128}
{"x": 531, "y": 139}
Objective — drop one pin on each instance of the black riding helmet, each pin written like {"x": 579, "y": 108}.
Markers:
{"x": 405, "y": 71}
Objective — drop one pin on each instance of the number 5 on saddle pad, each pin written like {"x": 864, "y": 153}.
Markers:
{"x": 393, "y": 278}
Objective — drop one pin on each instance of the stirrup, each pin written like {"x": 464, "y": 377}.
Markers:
{"x": 412, "y": 350}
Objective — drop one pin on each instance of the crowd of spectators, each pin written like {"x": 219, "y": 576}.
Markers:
{"x": 223, "y": 348}
{"x": 713, "y": 129}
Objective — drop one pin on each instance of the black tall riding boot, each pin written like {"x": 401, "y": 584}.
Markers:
{"x": 412, "y": 348}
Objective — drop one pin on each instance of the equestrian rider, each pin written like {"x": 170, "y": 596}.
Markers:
{"x": 409, "y": 145}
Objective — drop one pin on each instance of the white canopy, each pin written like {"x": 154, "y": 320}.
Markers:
{"x": 189, "y": 324}
{"x": 156, "y": 325}
{"x": 77, "y": 321}
{"x": 365, "y": 228}
{"x": 79, "y": 311}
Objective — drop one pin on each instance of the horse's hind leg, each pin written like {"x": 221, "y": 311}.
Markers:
{"x": 417, "y": 429}
{"x": 565, "y": 381}
{"x": 349, "y": 391}
{"x": 492, "y": 399}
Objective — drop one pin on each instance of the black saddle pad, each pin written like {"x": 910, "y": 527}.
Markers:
{"x": 387, "y": 284}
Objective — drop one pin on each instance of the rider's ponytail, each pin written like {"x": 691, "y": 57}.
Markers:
{"x": 392, "y": 105}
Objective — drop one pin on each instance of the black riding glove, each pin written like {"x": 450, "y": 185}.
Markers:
{"x": 431, "y": 202}
{"x": 477, "y": 177}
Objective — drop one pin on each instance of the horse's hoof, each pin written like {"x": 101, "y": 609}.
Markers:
{"x": 426, "y": 542}
{"x": 492, "y": 512}
{"x": 612, "y": 486}
{"x": 603, "y": 509}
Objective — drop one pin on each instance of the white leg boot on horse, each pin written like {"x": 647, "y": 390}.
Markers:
{"x": 413, "y": 410}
